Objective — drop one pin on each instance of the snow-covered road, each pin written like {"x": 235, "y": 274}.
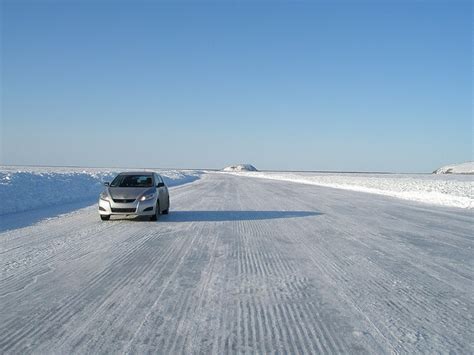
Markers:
{"x": 243, "y": 265}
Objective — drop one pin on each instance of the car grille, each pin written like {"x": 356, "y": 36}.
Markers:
{"x": 123, "y": 210}
{"x": 117, "y": 200}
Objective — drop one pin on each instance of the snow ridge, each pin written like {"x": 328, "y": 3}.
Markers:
{"x": 27, "y": 188}
{"x": 443, "y": 190}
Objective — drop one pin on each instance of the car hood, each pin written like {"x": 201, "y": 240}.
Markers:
{"x": 128, "y": 192}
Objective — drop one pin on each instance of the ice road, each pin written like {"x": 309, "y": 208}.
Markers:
{"x": 243, "y": 265}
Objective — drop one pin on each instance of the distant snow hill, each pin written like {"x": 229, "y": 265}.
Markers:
{"x": 241, "y": 167}
{"x": 464, "y": 168}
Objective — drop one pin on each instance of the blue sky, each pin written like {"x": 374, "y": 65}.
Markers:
{"x": 308, "y": 85}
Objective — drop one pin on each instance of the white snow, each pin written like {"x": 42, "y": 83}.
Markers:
{"x": 444, "y": 190}
{"x": 464, "y": 168}
{"x": 29, "y": 188}
{"x": 240, "y": 167}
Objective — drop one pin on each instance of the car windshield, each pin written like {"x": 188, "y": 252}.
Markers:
{"x": 132, "y": 181}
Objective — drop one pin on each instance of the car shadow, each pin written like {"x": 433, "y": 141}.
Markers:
{"x": 23, "y": 219}
{"x": 221, "y": 216}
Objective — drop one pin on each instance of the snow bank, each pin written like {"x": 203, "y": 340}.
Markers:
{"x": 241, "y": 167}
{"x": 464, "y": 168}
{"x": 444, "y": 190}
{"x": 28, "y": 188}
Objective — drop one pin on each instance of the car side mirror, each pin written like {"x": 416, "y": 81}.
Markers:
{"x": 106, "y": 183}
{"x": 160, "y": 184}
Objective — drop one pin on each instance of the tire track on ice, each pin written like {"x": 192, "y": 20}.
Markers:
{"x": 145, "y": 319}
{"x": 378, "y": 282}
{"x": 15, "y": 282}
{"x": 145, "y": 278}
{"x": 67, "y": 310}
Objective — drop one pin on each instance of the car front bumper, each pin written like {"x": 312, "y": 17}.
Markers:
{"x": 139, "y": 208}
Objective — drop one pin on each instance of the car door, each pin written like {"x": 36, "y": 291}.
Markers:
{"x": 162, "y": 192}
{"x": 167, "y": 194}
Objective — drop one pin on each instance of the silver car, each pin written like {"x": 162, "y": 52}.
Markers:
{"x": 135, "y": 193}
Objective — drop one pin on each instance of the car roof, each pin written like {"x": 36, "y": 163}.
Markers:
{"x": 137, "y": 173}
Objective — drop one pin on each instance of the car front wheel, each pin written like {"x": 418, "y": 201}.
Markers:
{"x": 157, "y": 212}
{"x": 104, "y": 217}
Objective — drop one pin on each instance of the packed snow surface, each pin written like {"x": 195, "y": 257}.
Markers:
{"x": 444, "y": 190}
{"x": 464, "y": 168}
{"x": 243, "y": 265}
{"x": 240, "y": 167}
{"x": 28, "y": 188}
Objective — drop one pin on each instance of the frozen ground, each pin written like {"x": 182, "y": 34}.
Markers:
{"x": 443, "y": 190}
{"x": 243, "y": 265}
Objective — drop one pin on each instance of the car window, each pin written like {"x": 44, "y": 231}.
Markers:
{"x": 132, "y": 181}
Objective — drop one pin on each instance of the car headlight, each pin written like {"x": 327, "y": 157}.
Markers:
{"x": 104, "y": 196}
{"x": 147, "y": 197}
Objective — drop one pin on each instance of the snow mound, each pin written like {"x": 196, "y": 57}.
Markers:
{"x": 464, "y": 168}
{"x": 28, "y": 188}
{"x": 241, "y": 167}
{"x": 443, "y": 190}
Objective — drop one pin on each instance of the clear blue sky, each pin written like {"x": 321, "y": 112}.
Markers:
{"x": 316, "y": 85}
